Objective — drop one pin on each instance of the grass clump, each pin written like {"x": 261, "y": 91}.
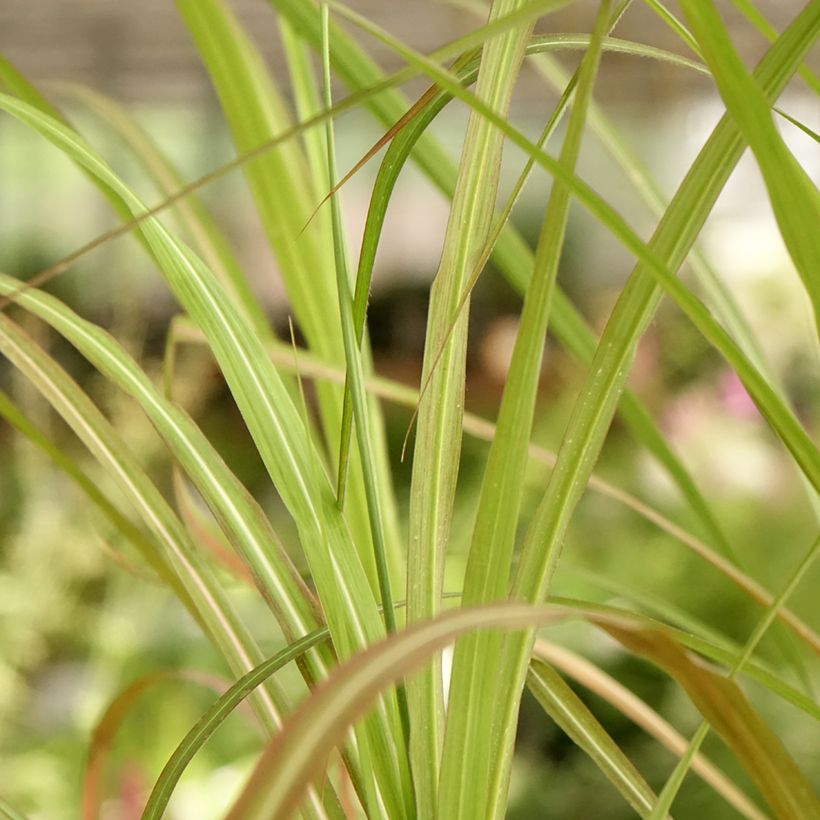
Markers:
{"x": 357, "y": 576}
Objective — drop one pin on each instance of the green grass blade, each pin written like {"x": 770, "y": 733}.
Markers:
{"x": 466, "y": 750}
{"x": 226, "y": 704}
{"x": 673, "y": 239}
{"x": 783, "y": 785}
{"x": 354, "y": 387}
{"x": 801, "y": 125}
{"x": 299, "y": 752}
{"x": 9, "y": 812}
{"x": 115, "y": 713}
{"x": 674, "y": 24}
{"x": 216, "y": 714}
{"x": 515, "y": 259}
{"x": 568, "y": 711}
{"x": 307, "y": 103}
{"x": 759, "y": 21}
{"x": 425, "y": 112}
{"x": 279, "y": 181}
{"x": 712, "y": 651}
{"x": 193, "y": 216}
{"x": 13, "y": 82}
{"x": 721, "y": 300}
{"x": 660, "y": 608}
{"x": 793, "y": 197}
{"x": 120, "y": 522}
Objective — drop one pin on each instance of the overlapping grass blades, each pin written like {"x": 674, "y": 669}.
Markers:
{"x": 491, "y": 551}
{"x": 438, "y": 439}
{"x": 275, "y": 425}
{"x": 354, "y": 389}
{"x": 210, "y": 606}
{"x": 674, "y": 236}
{"x": 281, "y": 184}
{"x": 197, "y": 224}
{"x": 241, "y": 518}
{"x": 511, "y": 253}
{"x": 463, "y": 773}
{"x": 120, "y": 522}
{"x": 782, "y": 785}
{"x": 568, "y": 711}
{"x": 309, "y": 366}
{"x": 295, "y": 756}
{"x": 793, "y": 197}
{"x": 631, "y": 706}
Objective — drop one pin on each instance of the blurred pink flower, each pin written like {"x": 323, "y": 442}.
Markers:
{"x": 734, "y": 396}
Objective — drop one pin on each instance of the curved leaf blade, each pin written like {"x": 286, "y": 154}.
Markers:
{"x": 725, "y": 707}
{"x": 576, "y": 721}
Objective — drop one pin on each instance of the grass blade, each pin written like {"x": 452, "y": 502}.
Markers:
{"x": 121, "y": 523}
{"x": 354, "y": 387}
{"x": 769, "y": 403}
{"x": 756, "y": 18}
{"x": 191, "y": 213}
{"x": 467, "y": 749}
{"x": 715, "y": 652}
{"x": 606, "y": 687}
{"x": 794, "y": 199}
{"x": 299, "y": 752}
{"x": 438, "y": 439}
{"x": 568, "y": 711}
{"x": 795, "y": 788}
{"x": 672, "y": 241}
{"x": 9, "y": 812}
{"x": 727, "y": 710}
{"x": 109, "y": 724}
{"x": 216, "y": 714}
